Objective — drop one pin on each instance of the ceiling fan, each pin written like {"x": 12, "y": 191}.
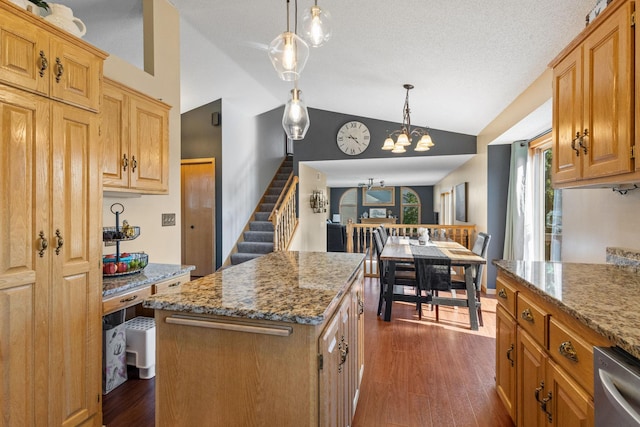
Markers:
{"x": 369, "y": 184}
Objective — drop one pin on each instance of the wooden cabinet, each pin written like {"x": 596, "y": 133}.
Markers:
{"x": 136, "y": 295}
{"x": 553, "y": 356}
{"x": 271, "y": 373}
{"x": 50, "y": 212}
{"x": 135, "y": 134}
{"x": 593, "y": 103}
{"x": 41, "y": 58}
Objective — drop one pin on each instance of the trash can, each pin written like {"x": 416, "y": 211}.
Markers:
{"x": 114, "y": 354}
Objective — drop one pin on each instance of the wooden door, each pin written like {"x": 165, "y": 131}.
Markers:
{"x": 570, "y": 405}
{"x": 506, "y": 359}
{"x": 114, "y": 132}
{"x": 76, "y": 288}
{"x": 567, "y": 118}
{"x": 24, "y": 270}
{"x": 149, "y": 144}
{"x": 530, "y": 379}
{"x": 608, "y": 90}
{"x": 198, "y": 215}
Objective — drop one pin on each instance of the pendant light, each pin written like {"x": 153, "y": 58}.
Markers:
{"x": 288, "y": 53}
{"x": 295, "y": 119}
{"x": 316, "y": 25}
{"x": 404, "y": 136}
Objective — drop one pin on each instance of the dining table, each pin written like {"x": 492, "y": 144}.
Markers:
{"x": 401, "y": 249}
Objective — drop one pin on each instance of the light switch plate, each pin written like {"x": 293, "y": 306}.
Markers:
{"x": 168, "y": 219}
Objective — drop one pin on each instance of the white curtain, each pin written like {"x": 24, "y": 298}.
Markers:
{"x": 518, "y": 237}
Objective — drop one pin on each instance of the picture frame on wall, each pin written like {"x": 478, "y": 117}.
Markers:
{"x": 460, "y": 194}
{"x": 378, "y": 196}
{"x": 377, "y": 212}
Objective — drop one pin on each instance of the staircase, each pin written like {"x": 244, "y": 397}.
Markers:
{"x": 258, "y": 238}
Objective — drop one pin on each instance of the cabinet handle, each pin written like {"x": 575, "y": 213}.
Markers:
{"x": 59, "y": 241}
{"x": 43, "y": 63}
{"x": 173, "y": 285}
{"x": 568, "y": 350}
{"x": 583, "y": 140}
{"x": 344, "y": 352}
{"x": 526, "y": 315}
{"x": 360, "y": 306}
{"x": 125, "y": 162}
{"x": 280, "y": 331}
{"x": 573, "y": 144}
{"x": 59, "y": 70}
{"x": 44, "y": 244}
{"x": 537, "y": 392}
{"x": 502, "y": 293}
{"x": 543, "y": 406}
{"x": 129, "y": 299}
{"x": 134, "y": 163}
{"x": 509, "y": 351}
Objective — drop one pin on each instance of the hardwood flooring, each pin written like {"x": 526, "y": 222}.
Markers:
{"x": 418, "y": 373}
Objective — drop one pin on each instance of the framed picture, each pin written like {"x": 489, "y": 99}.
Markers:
{"x": 377, "y": 212}
{"x": 378, "y": 196}
{"x": 460, "y": 194}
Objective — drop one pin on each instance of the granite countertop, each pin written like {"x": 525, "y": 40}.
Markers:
{"x": 296, "y": 287}
{"x": 152, "y": 273}
{"x": 604, "y": 297}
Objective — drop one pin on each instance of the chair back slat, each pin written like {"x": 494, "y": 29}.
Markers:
{"x": 433, "y": 273}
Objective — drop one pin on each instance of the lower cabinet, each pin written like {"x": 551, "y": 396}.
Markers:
{"x": 544, "y": 360}
{"x": 223, "y": 371}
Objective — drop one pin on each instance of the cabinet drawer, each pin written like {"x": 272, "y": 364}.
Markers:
{"x": 571, "y": 352}
{"x": 127, "y": 299}
{"x": 532, "y": 319}
{"x": 171, "y": 285}
{"x": 506, "y": 296}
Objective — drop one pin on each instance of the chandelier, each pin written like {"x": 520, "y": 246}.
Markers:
{"x": 404, "y": 136}
{"x": 289, "y": 53}
{"x": 369, "y": 184}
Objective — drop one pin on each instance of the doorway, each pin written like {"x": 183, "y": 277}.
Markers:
{"x": 198, "y": 215}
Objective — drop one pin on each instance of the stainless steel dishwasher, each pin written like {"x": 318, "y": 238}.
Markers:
{"x": 617, "y": 388}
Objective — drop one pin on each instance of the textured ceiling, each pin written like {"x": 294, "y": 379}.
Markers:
{"x": 467, "y": 59}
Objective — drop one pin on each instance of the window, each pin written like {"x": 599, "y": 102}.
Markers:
{"x": 349, "y": 206}
{"x": 409, "y": 207}
{"x": 547, "y": 220}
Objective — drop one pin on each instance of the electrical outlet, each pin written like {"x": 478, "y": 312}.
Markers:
{"x": 168, "y": 219}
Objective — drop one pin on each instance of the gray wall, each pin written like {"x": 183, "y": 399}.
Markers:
{"x": 499, "y": 158}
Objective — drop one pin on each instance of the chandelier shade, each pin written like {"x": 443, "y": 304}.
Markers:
{"x": 295, "y": 119}
{"x": 288, "y": 54}
{"x": 316, "y": 26}
{"x": 405, "y": 135}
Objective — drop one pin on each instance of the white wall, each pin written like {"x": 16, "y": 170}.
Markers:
{"x": 161, "y": 243}
{"x": 312, "y": 227}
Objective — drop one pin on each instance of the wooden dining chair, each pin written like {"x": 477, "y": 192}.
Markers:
{"x": 480, "y": 248}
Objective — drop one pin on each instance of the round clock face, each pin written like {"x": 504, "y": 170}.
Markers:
{"x": 353, "y": 138}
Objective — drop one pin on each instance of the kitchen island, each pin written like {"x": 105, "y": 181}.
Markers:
{"x": 277, "y": 340}
{"x": 549, "y": 317}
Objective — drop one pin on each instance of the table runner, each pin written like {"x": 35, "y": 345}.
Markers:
{"x": 429, "y": 252}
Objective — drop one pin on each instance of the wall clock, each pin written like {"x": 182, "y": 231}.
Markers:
{"x": 353, "y": 138}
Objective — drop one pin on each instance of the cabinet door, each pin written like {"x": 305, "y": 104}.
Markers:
{"x": 24, "y": 275}
{"x": 570, "y": 405}
{"x": 530, "y": 379}
{"x": 114, "y": 133}
{"x": 24, "y": 54}
{"x": 567, "y": 117}
{"x": 608, "y": 94}
{"x": 149, "y": 145}
{"x": 75, "y": 75}
{"x": 506, "y": 359}
{"x": 75, "y": 335}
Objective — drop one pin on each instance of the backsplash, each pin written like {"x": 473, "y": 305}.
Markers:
{"x": 623, "y": 256}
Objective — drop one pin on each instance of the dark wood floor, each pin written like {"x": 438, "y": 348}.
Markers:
{"x": 417, "y": 373}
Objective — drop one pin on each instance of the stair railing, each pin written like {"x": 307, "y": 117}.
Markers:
{"x": 284, "y": 217}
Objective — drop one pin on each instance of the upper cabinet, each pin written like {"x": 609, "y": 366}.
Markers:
{"x": 46, "y": 60}
{"x": 135, "y": 135}
{"x": 593, "y": 103}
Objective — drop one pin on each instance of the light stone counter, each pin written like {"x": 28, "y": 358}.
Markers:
{"x": 604, "y": 297}
{"x": 296, "y": 287}
{"x": 152, "y": 273}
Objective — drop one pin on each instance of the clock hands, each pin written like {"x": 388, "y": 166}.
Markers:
{"x": 354, "y": 138}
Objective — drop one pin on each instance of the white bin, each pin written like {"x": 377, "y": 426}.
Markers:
{"x": 141, "y": 345}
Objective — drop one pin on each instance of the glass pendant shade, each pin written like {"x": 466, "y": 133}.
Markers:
{"x": 316, "y": 26}
{"x": 388, "y": 144}
{"x": 403, "y": 140}
{"x": 398, "y": 149}
{"x": 288, "y": 54}
{"x": 420, "y": 146}
{"x": 426, "y": 140}
{"x": 295, "y": 120}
